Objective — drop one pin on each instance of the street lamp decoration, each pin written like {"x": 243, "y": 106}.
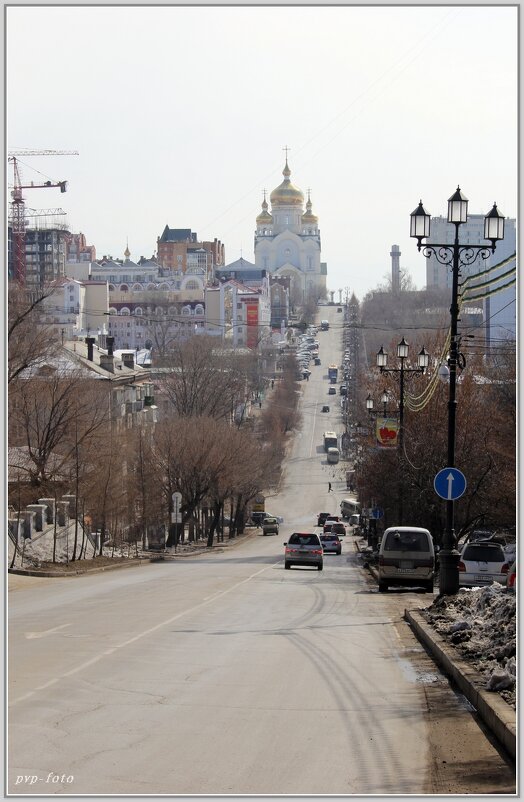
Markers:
{"x": 455, "y": 256}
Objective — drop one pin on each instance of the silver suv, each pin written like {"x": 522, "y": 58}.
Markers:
{"x": 304, "y": 548}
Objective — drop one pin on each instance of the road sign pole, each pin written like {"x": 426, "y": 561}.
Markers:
{"x": 449, "y": 556}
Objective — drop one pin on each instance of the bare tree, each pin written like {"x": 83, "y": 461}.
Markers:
{"x": 203, "y": 382}
{"x": 51, "y": 414}
{"x": 30, "y": 341}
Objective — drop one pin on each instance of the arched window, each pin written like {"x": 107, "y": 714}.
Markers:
{"x": 199, "y": 309}
{"x": 192, "y": 285}
{"x": 151, "y": 286}
{"x": 124, "y": 288}
{"x": 173, "y": 310}
{"x": 136, "y": 288}
{"x": 111, "y": 288}
{"x": 124, "y": 311}
{"x": 159, "y": 310}
{"x": 138, "y": 311}
{"x": 186, "y": 310}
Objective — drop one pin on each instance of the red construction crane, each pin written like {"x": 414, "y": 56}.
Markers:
{"x": 18, "y": 212}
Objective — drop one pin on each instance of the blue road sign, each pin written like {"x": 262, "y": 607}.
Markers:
{"x": 377, "y": 513}
{"x": 449, "y": 484}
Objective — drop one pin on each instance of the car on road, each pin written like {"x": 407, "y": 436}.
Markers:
{"x": 334, "y": 528}
{"x": 304, "y": 548}
{"x": 482, "y": 563}
{"x": 322, "y": 517}
{"x": 406, "y": 557}
{"x": 325, "y": 408}
{"x": 317, "y": 360}
{"x": 332, "y": 391}
{"x": 331, "y": 542}
{"x": 270, "y": 526}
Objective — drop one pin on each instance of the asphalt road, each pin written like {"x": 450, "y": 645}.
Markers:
{"x": 225, "y": 674}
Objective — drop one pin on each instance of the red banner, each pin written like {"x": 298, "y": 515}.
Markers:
{"x": 387, "y": 432}
{"x": 252, "y": 325}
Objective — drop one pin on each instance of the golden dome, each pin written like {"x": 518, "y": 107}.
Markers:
{"x": 286, "y": 194}
{"x": 264, "y": 216}
{"x": 308, "y": 216}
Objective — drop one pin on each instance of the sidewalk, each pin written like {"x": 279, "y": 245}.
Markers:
{"x": 498, "y": 716}
{"x": 145, "y": 558}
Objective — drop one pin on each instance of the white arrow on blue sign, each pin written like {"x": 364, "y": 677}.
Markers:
{"x": 450, "y": 484}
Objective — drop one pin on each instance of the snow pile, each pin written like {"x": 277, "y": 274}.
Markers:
{"x": 481, "y": 624}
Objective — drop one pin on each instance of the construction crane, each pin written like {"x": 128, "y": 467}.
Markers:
{"x": 18, "y": 212}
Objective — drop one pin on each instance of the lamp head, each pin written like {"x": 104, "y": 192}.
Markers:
{"x": 420, "y": 224}
{"x": 423, "y": 359}
{"x": 382, "y": 357}
{"x": 494, "y": 226}
{"x": 402, "y": 349}
{"x": 458, "y": 208}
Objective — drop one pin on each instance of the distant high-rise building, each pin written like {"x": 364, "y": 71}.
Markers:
{"x": 45, "y": 255}
{"x": 499, "y": 309}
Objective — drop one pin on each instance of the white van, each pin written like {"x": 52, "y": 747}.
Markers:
{"x": 333, "y": 454}
{"x": 348, "y": 507}
{"x": 406, "y": 557}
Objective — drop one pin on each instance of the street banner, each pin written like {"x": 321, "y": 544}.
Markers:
{"x": 387, "y": 432}
{"x": 252, "y": 325}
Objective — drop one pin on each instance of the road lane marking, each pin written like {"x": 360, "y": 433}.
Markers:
{"x": 168, "y": 621}
{"x": 30, "y": 635}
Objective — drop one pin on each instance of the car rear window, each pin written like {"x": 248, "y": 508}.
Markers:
{"x": 304, "y": 540}
{"x": 488, "y": 554}
{"x": 406, "y": 541}
{"x": 329, "y": 537}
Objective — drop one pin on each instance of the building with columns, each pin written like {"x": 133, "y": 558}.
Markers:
{"x": 287, "y": 241}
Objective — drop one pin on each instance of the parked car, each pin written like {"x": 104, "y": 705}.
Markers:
{"x": 406, "y": 557}
{"x": 317, "y": 360}
{"x": 304, "y": 548}
{"x": 482, "y": 563}
{"x": 258, "y": 518}
{"x": 331, "y": 542}
{"x": 325, "y": 408}
{"x": 332, "y": 390}
{"x": 512, "y": 576}
{"x": 270, "y": 526}
{"x": 322, "y": 517}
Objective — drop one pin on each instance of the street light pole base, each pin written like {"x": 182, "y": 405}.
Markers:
{"x": 449, "y": 573}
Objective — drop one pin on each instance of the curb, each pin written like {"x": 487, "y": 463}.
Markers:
{"x": 498, "y": 716}
{"x": 31, "y": 572}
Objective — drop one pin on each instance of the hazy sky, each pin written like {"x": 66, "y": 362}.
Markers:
{"x": 180, "y": 116}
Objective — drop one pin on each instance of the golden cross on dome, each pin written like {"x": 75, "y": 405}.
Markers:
{"x": 286, "y": 149}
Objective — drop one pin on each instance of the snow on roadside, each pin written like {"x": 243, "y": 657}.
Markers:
{"x": 481, "y": 624}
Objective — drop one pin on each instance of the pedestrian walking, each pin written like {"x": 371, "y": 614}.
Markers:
{"x": 329, "y": 487}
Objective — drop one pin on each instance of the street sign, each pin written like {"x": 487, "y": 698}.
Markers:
{"x": 377, "y": 513}
{"x": 177, "y": 499}
{"x": 176, "y": 518}
{"x": 450, "y": 484}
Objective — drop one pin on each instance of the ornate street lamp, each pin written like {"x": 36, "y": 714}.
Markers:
{"x": 454, "y": 256}
{"x": 422, "y": 364}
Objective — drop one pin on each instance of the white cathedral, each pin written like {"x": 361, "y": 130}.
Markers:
{"x": 287, "y": 240}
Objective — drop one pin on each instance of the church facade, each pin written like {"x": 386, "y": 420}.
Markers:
{"x": 287, "y": 241}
